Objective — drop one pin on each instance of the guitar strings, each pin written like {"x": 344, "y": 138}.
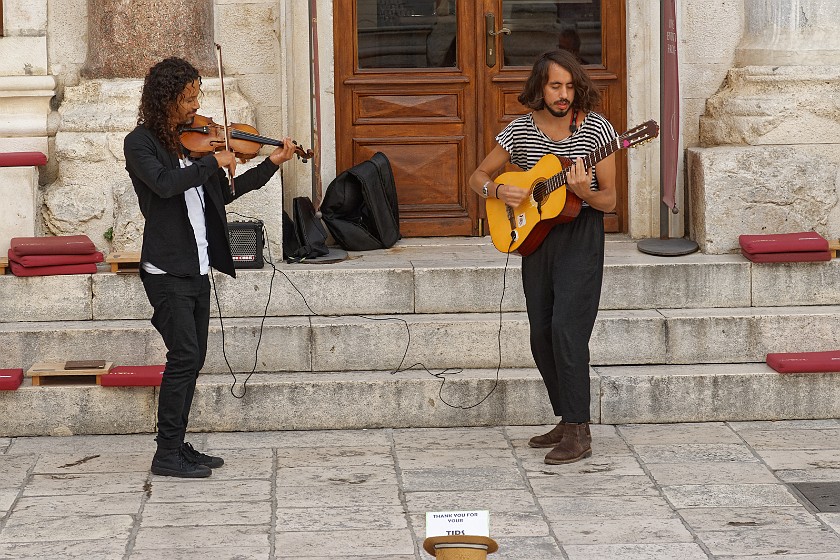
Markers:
{"x": 558, "y": 180}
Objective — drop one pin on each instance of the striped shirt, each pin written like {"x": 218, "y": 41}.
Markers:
{"x": 526, "y": 143}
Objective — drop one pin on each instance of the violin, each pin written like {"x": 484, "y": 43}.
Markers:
{"x": 204, "y": 137}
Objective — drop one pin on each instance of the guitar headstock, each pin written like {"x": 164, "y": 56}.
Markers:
{"x": 645, "y": 132}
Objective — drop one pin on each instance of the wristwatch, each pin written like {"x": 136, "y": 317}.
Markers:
{"x": 484, "y": 192}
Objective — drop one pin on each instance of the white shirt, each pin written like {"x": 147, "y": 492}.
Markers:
{"x": 194, "y": 198}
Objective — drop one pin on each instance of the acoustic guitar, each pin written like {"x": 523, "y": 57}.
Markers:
{"x": 523, "y": 228}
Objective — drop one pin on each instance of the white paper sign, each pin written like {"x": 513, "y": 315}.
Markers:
{"x": 448, "y": 523}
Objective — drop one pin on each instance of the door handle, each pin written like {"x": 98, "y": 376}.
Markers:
{"x": 490, "y": 38}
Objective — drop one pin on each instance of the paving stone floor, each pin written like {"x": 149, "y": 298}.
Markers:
{"x": 676, "y": 491}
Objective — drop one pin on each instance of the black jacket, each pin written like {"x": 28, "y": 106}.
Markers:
{"x": 160, "y": 184}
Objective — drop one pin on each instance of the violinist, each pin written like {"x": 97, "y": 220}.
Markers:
{"x": 183, "y": 202}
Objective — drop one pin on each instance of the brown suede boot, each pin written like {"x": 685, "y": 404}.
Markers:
{"x": 549, "y": 439}
{"x": 552, "y": 437}
{"x": 576, "y": 444}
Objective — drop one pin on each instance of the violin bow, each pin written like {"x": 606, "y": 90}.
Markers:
{"x": 224, "y": 112}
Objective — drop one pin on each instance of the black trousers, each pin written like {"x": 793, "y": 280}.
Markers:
{"x": 182, "y": 317}
{"x": 562, "y": 282}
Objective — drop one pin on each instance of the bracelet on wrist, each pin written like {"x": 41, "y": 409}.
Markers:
{"x": 497, "y": 190}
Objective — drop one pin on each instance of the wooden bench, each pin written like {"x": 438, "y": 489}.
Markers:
{"x": 55, "y": 373}
{"x": 126, "y": 262}
{"x": 4, "y": 264}
{"x": 834, "y": 247}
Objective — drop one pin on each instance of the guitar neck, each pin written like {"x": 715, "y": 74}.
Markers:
{"x": 559, "y": 180}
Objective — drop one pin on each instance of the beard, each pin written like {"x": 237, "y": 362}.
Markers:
{"x": 558, "y": 113}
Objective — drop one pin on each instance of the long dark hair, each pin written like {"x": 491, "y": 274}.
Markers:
{"x": 587, "y": 95}
{"x": 163, "y": 85}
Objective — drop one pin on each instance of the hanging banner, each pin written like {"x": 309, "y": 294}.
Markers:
{"x": 670, "y": 136}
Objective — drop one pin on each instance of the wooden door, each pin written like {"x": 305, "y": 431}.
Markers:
{"x": 414, "y": 81}
{"x": 520, "y": 30}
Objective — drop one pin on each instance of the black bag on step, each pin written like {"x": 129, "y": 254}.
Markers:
{"x": 360, "y": 206}
{"x": 304, "y": 237}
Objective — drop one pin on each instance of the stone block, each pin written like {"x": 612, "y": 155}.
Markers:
{"x": 436, "y": 341}
{"x": 19, "y": 190}
{"x": 729, "y": 495}
{"x": 447, "y": 287}
{"x": 693, "y": 281}
{"x": 27, "y": 144}
{"x": 762, "y": 189}
{"x": 160, "y": 539}
{"x": 683, "y": 551}
{"x": 748, "y": 334}
{"x": 284, "y": 345}
{"x": 79, "y": 409}
{"x": 796, "y": 283}
{"x": 628, "y": 337}
{"x": 713, "y": 392}
{"x": 25, "y": 17}
{"x": 251, "y": 40}
{"x": 119, "y": 296}
{"x": 45, "y": 298}
{"x": 301, "y": 289}
{"x": 21, "y": 56}
{"x": 724, "y": 19}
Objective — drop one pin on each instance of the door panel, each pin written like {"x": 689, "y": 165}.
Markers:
{"x": 412, "y": 81}
{"x": 402, "y": 89}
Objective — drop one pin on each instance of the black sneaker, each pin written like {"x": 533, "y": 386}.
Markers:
{"x": 173, "y": 462}
{"x": 198, "y": 457}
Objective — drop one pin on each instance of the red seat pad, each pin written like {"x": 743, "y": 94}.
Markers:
{"x": 801, "y": 256}
{"x": 10, "y": 379}
{"x": 55, "y": 260}
{"x": 805, "y": 362}
{"x": 19, "y": 270}
{"x": 132, "y": 376}
{"x": 21, "y": 159}
{"x": 54, "y": 245}
{"x": 783, "y": 242}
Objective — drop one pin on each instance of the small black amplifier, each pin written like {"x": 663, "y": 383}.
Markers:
{"x": 246, "y": 244}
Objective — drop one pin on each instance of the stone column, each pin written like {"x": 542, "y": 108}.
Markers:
{"x": 770, "y": 158}
{"x": 789, "y": 33}
{"x": 127, "y": 37}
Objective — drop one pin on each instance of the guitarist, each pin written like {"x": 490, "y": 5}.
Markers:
{"x": 562, "y": 277}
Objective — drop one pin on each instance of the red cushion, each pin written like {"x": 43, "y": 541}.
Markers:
{"x": 805, "y": 362}
{"x": 55, "y": 260}
{"x": 10, "y": 379}
{"x": 133, "y": 376}
{"x": 801, "y": 256}
{"x": 55, "y": 245}
{"x": 20, "y": 159}
{"x": 19, "y": 270}
{"x": 783, "y": 242}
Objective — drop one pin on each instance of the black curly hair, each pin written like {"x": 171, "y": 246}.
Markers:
{"x": 162, "y": 87}
{"x": 587, "y": 95}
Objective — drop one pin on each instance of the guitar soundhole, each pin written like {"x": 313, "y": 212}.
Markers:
{"x": 538, "y": 193}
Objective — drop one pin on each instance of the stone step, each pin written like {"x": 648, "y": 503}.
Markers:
{"x": 365, "y": 399}
{"x": 466, "y": 340}
{"x": 463, "y": 276}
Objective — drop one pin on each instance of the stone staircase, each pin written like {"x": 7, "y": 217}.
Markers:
{"x": 677, "y": 339}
